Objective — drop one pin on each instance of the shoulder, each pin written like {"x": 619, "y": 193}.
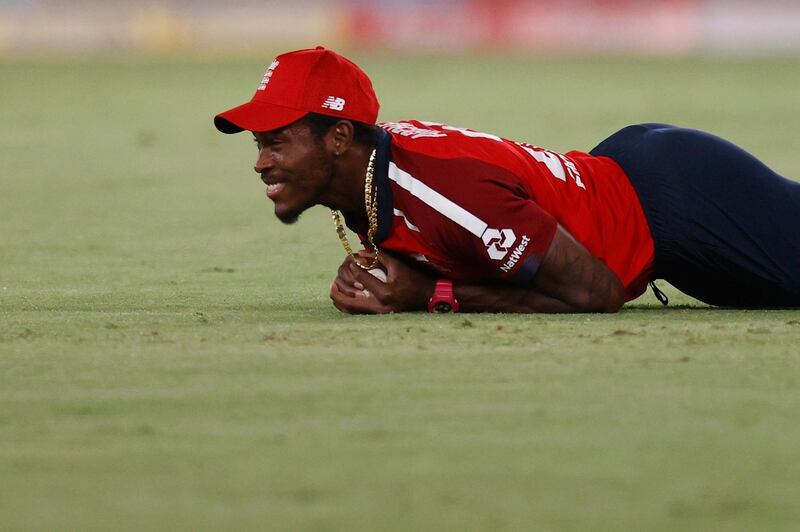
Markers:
{"x": 448, "y": 142}
{"x": 439, "y": 153}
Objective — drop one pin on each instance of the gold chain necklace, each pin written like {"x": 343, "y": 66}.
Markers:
{"x": 371, "y": 203}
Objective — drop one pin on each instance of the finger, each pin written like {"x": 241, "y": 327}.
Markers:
{"x": 344, "y": 270}
{"x": 390, "y": 264}
{"x": 346, "y": 275}
{"x": 336, "y": 298}
{"x": 359, "y": 304}
{"x": 345, "y": 288}
{"x": 366, "y": 254}
{"x": 366, "y": 281}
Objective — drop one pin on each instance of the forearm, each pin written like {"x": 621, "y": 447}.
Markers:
{"x": 511, "y": 299}
{"x": 569, "y": 280}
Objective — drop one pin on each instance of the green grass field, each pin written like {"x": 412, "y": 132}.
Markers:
{"x": 169, "y": 358}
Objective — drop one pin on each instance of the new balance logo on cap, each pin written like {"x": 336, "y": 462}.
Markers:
{"x": 333, "y": 103}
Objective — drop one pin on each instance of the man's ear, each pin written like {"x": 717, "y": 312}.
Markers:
{"x": 340, "y": 136}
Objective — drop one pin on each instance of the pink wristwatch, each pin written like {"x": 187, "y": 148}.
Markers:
{"x": 443, "y": 299}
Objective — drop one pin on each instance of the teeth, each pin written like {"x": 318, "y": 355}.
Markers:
{"x": 273, "y": 188}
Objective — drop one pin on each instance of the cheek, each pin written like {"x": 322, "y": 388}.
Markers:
{"x": 292, "y": 161}
{"x": 277, "y": 158}
{"x": 323, "y": 170}
{"x": 314, "y": 168}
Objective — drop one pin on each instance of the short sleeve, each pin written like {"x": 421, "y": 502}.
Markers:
{"x": 478, "y": 215}
{"x": 508, "y": 236}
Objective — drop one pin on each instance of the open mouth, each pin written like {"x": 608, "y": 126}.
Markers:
{"x": 274, "y": 190}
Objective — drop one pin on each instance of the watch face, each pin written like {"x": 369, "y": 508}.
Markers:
{"x": 442, "y": 307}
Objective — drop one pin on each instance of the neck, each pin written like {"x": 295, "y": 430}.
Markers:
{"x": 350, "y": 175}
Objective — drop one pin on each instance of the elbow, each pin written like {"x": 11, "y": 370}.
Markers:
{"x": 601, "y": 301}
{"x": 614, "y": 303}
{"x": 614, "y": 297}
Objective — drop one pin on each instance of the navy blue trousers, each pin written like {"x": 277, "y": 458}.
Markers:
{"x": 726, "y": 227}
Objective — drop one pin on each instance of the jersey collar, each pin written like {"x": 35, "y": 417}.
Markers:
{"x": 385, "y": 201}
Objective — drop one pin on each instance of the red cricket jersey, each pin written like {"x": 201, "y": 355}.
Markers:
{"x": 477, "y": 207}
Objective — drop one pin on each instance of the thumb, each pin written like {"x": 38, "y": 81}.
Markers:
{"x": 389, "y": 263}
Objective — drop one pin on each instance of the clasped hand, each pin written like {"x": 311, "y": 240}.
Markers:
{"x": 356, "y": 291}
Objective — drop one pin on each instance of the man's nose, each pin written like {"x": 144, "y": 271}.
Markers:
{"x": 264, "y": 161}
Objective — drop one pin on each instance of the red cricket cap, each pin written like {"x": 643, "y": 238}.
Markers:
{"x": 306, "y": 81}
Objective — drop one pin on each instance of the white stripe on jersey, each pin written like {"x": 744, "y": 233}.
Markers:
{"x": 430, "y": 197}
{"x": 401, "y": 214}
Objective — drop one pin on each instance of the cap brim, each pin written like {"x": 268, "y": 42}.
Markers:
{"x": 256, "y": 116}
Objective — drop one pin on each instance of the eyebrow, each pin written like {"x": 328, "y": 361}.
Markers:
{"x": 269, "y": 135}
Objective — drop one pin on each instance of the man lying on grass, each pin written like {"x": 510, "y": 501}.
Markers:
{"x": 458, "y": 220}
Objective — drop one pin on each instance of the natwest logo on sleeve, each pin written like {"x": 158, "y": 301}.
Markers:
{"x": 516, "y": 254}
{"x": 498, "y": 242}
{"x": 333, "y": 103}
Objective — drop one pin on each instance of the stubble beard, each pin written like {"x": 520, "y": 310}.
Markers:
{"x": 288, "y": 218}
{"x": 291, "y": 217}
